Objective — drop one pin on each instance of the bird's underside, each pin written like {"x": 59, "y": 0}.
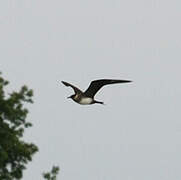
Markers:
{"x": 87, "y": 97}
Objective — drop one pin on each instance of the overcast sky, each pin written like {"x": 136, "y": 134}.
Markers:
{"x": 137, "y": 134}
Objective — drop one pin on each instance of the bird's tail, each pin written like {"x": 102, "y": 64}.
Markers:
{"x": 99, "y": 102}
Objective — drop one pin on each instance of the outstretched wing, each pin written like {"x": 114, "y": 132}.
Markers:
{"x": 76, "y": 90}
{"x": 98, "y": 84}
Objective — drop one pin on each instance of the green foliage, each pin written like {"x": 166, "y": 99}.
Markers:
{"x": 51, "y": 175}
{"x": 14, "y": 152}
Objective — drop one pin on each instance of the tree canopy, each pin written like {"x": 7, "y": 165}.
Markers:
{"x": 15, "y": 153}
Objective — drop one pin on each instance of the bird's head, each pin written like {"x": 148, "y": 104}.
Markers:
{"x": 72, "y": 96}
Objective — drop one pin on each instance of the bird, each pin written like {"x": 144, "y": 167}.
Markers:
{"x": 87, "y": 97}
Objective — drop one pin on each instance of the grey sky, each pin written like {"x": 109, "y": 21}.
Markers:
{"x": 137, "y": 135}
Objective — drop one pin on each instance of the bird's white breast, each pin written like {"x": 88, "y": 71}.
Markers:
{"x": 86, "y": 100}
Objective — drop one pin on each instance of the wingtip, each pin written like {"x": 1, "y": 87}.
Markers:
{"x": 126, "y": 81}
{"x": 63, "y": 82}
{"x": 129, "y": 81}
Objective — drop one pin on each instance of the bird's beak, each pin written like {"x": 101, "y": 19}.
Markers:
{"x": 68, "y": 97}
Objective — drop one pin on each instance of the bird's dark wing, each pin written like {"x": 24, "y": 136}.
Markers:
{"x": 97, "y": 84}
{"x": 76, "y": 90}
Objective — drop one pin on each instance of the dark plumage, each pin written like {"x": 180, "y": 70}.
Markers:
{"x": 87, "y": 97}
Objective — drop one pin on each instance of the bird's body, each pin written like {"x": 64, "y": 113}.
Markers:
{"x": 87, "y": 97}
{"x": 85, "y": 100}
{"x": 81, "y": 99}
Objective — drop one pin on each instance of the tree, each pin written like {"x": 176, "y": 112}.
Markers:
{"x": 15, "y": 153}
{"x": 51, "y": 175}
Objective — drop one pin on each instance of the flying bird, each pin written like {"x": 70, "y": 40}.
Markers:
{"x": 87, "y": 97}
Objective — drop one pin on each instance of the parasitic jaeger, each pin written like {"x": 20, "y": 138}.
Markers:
{"x": 87, "y": 97}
